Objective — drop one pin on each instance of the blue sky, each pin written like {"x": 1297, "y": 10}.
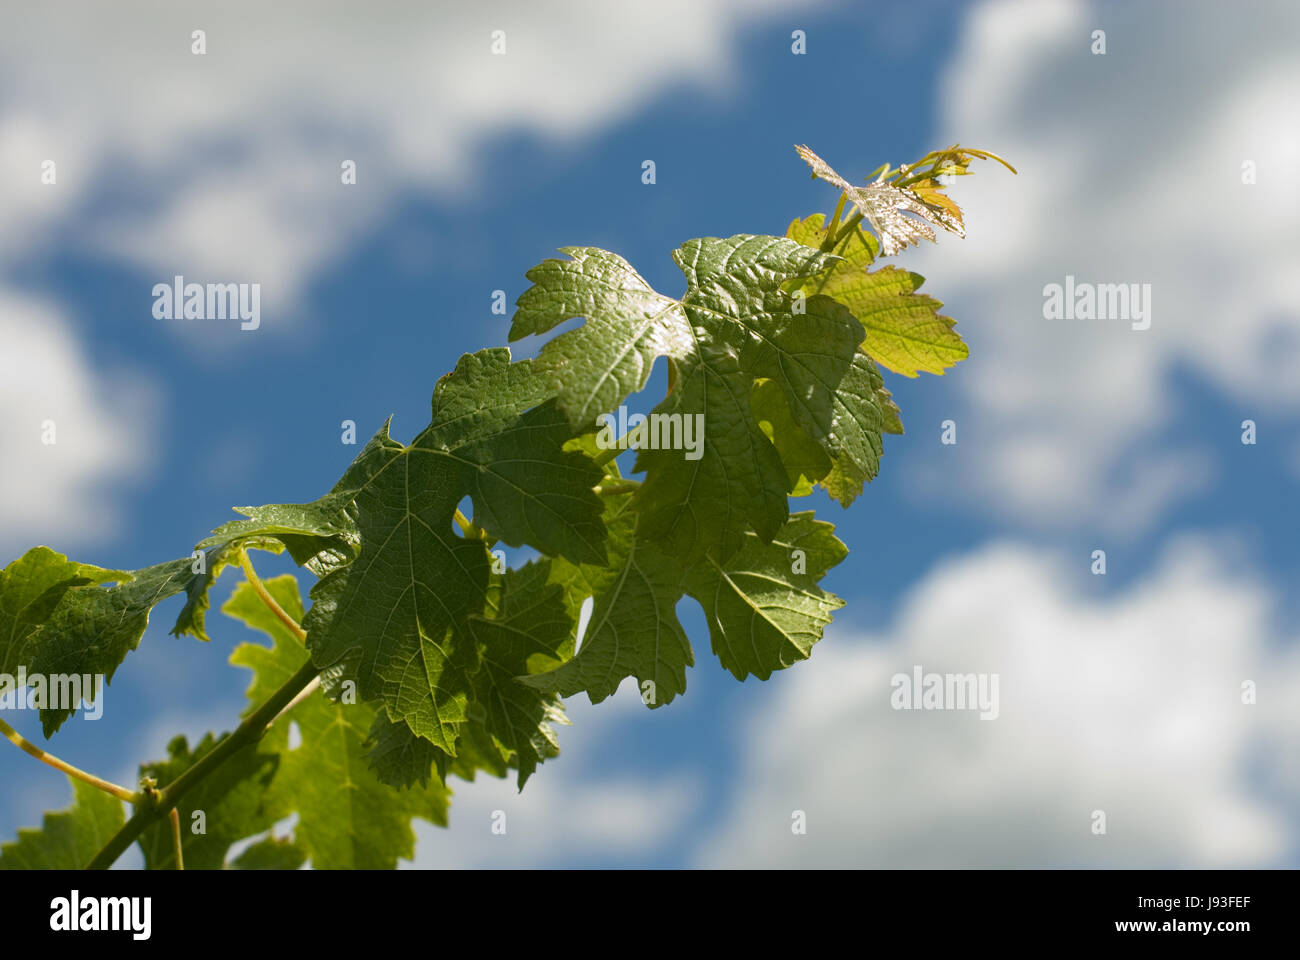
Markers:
{"x": 1120, "y": 692}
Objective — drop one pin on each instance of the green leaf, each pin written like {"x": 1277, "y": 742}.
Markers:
{"x": 633, "y": 629}
{"x": 596, "y": 367}
{"x": 848, "y": 454}
{"x": 846, "y": 422}
{"x": 735, "y": 324}
{"x": 321, "y": 535}
{"x": 806, "y": 462}
{"x": 271, "y": 853}
{"x": 347, "y": 817}
{"x": 431, "y": 661}
{"x": 30, "y": 589}
{"x": 405, "y": 601}
{"x": 192, "y": 619}
{"x": 477, "y": 750}
{"x": 59, "y": 617}
{"x": 399, "y": 758}
{"x": 763, "y": 605}
{"x": 231, "y": 802}
{"x": 325, "y": 519}
{"x": 691, "y": 507}
{"x": 496, "y": 421}
{"x": 764, "y": 608}
{"x": 530, "y": 632}
{"x": 904, "y": 329}
{"x": 893, "y": 422}
{"x": 398, "y": 614}
{"x": 92, "y": 628}
{"x": 70, "y": 838}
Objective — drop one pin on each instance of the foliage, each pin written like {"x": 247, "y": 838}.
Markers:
{"x": 422, "y": 657}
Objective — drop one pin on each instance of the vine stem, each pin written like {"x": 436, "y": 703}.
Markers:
{"x": 846, "y": 228}
{"x": 152, "y": 808}
{"x": 605, "y": 456}
{"x": 247, "y": 566}
{"x": 175, "y": 818}
{"x": 834, "y": 225}
{"x": 614, "y": 486}
{"x": 248, "y": 732}
{"x": 620, "y": 446}
{"x": 472, "y": 531}
{"x": 22, "y": 743}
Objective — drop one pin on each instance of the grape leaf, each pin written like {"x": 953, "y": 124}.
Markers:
{"x": 764, "y": 608}
{"x": 633, "y": 630}
{"x": 529, "y": 632}
{"x": 805, "y": 462}
{"x": 866, "y": 416}
{"x": 863, "y": 409}
{"x": 232, "y": 800}
{"x": 30, "y": 589}
{"x": 904, "y": 329}
{"x": 689, "y": 506}
{"x": 398, "y": 613}
{"x": 93, "y": 627}
{"x": 68, "y": 839}
{"x": 735, "y": 324}
{"x": 321, "y": 532}
{"x": 597, "y": 366}
{"x": 192, "y": 619}
{"x": 399, "y": 758}
{"x": 60, "y": 618}
{"x": 405, "y": 600}
{"x": 321, "y": 535}
{"x": 884, "y": 205}
{"x": 270, "y": 853}
{"x": 347, "y": 817}
{"x": 459, "y": 666}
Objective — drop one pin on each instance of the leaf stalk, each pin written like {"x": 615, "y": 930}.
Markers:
{"x": 25, "y": 745}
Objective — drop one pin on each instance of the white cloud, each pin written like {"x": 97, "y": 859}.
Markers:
{"x": 1129, "y": 703}
{"x": 101, "y": 423}
{"x": 570, "y": 811}
{"x": 1130, "y": 172}
{"x": 225, "y": 168}
{"x": 241, "y": 148}
{"x": 558, "y": 820}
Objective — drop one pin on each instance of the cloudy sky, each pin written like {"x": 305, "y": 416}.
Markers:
{"x": 1119, "y": 693}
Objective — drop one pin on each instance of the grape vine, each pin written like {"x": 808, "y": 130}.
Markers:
{"x": 422, "y": 656}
